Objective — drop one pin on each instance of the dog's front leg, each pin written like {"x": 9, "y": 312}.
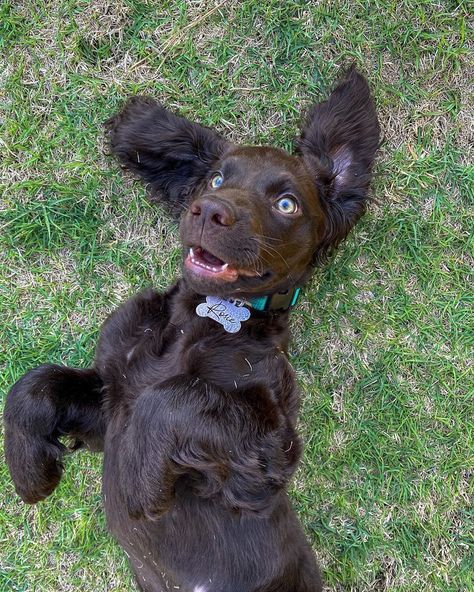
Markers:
{"x": 137, "y": 320}
{"x": 48, "y": 402}
{"x": 182, "y": 428}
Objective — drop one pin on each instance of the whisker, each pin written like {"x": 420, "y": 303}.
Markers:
{"x": 262, "y": 242}
{"x": 268, "y": 249}
{"x": 273, "y": 238}
{"x": 254, "y": 261}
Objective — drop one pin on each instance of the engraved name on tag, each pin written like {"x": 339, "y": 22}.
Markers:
{"x": 224, "y": 312}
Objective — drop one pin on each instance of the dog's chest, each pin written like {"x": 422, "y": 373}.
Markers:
{"x": 220, "y": 359}
{"x": 200, "y": 347}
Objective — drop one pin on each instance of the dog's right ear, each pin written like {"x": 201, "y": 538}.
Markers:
{"x": 338, "y": 144}
{"x": 173, "y": 155}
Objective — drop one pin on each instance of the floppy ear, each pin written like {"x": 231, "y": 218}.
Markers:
{"x": 338, "y": 144}
{"x": 170, "y": 153}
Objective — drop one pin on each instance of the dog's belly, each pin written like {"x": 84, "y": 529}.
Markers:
{"x": 197, "y": 544}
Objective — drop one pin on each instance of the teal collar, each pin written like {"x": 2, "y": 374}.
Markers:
{"x": 232, "y": 313}
{"x": 278, "y": 301}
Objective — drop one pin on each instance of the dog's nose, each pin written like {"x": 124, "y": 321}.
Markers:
{"x": 213, "y": 211}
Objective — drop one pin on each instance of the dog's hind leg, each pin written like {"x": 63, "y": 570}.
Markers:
{"x": 48, "y": 402}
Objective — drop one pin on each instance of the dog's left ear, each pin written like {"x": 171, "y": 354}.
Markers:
{"x": 338, "y": 144}
{"x": 170, "y": 153}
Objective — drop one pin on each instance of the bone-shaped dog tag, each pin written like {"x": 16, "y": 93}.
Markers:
{"x": 224, "y": 312}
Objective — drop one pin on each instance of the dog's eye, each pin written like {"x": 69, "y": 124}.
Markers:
{"x": 286, "y": 204}
{"x": 217, "y": 181}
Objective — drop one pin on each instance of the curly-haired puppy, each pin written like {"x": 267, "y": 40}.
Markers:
{"x": 191, "y": 396}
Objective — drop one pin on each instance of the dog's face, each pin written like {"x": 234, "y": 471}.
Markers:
{"x": 253, "y": 225}
{"x": 256, "y": 219}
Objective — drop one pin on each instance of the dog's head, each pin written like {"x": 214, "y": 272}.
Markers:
{"x": 256, "y": 219}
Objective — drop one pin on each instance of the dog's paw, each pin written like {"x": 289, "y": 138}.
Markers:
{"x": 32, "y": 449}
{"x": 35, "y": 464}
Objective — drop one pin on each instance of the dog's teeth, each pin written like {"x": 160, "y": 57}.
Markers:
{"x": 200, "y": 263}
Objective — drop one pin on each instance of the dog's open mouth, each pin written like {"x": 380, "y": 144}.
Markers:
{"x": 204, "y": 263}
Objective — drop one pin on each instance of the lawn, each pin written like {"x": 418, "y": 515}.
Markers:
{"x": 383, "y": 336}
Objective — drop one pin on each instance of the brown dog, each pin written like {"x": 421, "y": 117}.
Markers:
{"x": 191, "y": 396}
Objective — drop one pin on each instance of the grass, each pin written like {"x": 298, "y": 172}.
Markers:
{"x": 383, "y": 338}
